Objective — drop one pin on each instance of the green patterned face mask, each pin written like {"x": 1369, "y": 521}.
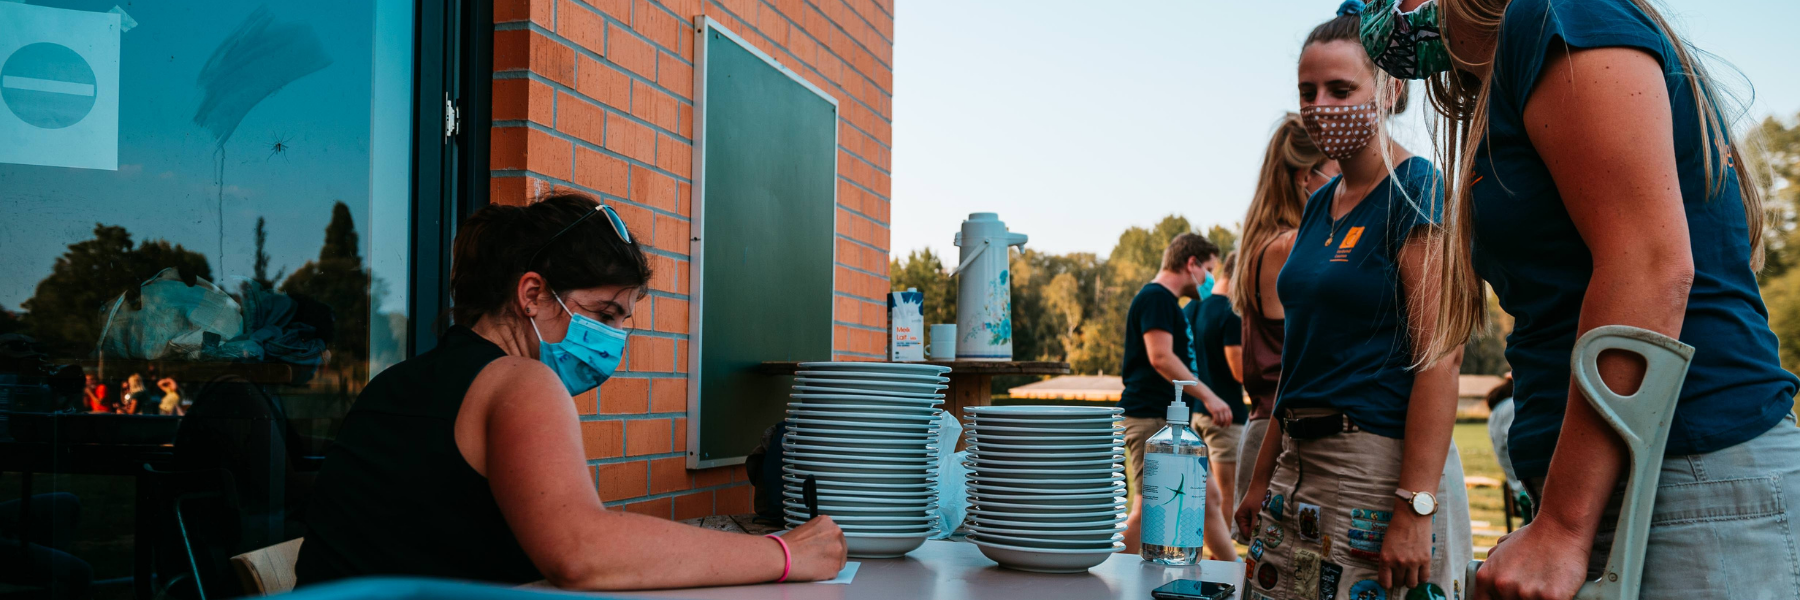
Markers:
{"x": 1408, "y": 45}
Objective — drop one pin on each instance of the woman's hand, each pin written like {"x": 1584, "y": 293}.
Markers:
{"x": 1215, "y": 408}
{"x": 818, "y": 550}
{"x": 1246, "y": 512}
{"x": 1405, "y": 550}
{"x": 1540, "y": 561}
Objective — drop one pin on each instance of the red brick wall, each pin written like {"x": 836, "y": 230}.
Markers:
{"x": 597, "y": 96}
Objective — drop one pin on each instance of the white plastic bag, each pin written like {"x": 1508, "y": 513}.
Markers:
{"x": 952, "y": 483}
{"x": 172, "y": 320}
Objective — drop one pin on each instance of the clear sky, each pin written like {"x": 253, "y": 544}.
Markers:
{"x": 1075, "y": 120}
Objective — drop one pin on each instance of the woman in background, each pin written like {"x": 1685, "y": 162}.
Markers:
{"x": 1355, "y": 470}
{"x": 1593, "y": 182}
{"x": 1292, "y": 169}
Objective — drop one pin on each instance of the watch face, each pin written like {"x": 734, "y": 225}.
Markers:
{"x": 1424, "y": 504}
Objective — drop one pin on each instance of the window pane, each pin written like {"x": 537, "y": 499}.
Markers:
{"x": 204, "y": 222}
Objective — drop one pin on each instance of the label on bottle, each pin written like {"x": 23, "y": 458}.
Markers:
{"x": 1174, "y": 505}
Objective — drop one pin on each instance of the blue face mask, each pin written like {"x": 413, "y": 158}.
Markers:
{"x": 586, "y": 356}
{"x": 1206, "y": 287}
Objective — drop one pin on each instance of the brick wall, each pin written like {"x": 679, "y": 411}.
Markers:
{"x": 597, "y": 96}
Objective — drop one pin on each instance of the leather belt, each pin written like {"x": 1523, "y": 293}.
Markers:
{"x": 1312, "y": 428}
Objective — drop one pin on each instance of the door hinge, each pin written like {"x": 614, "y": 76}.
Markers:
{"x": 452, "y": 118}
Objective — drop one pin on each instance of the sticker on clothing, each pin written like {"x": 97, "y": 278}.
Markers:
{"x": 1308, "y": 517}
{"x": 1306, "y": 573}
{"x": 1367, "y": 528}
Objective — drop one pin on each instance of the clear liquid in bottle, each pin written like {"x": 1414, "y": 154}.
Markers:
{"x": 1173, "y": 517}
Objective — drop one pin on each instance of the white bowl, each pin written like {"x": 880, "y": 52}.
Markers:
{"x": 1105, "y": 423}
{"x": 827, "y": 485}
{"x": 882, "y": 545}
{"x": 884, "y": 478}
{"x": 1003, "y": 453}
{"x": 866, "y": 392}
{"x": 877, "y": 367}
{"x": 1046, "y": 472}
{"x": 1041, "y": 517}
{"x": 842, "y": 426}
{"x": 1038, "y": 560}
{"x": 834, "y": 399}
{"x": 792, "y": 493}
{"x": 862, "y": 468}
{"x": 907, "y": 517}
{"x": 1047, "y": 543}
{"x": 1035, "y": 497}
{"x": 874, "y": 375}
{"x": 832, "y": 439}
{"x": 919, "y": 529}
{"x": 927, "y": 420}
{"x": 1026, "y": 411}
{"x": 926, "y": 451}
{"x": 894, "y": 511}
{"x": 924, "y": 521}
{"x": 871, "y": 384}
{"x": 975, "y": 484}
{"x": 868, "y": 460}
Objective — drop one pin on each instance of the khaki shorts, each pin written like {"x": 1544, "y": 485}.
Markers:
{"x": 1319, "y": 534}
{"x": 1138, "y": 429}
{"x": 1221, "y": 442}
{"x": 1249, "y": 444}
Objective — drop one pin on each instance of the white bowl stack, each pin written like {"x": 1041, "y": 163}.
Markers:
{"x": 867, "y": 431}
{"x": 1046, "y": 485}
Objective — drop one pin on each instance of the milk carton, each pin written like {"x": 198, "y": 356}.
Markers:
{"x": 906, "y": 325}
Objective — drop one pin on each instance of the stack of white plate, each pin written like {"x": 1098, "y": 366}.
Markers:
{"x": 867, "y": 432}
{"x": 1046, "y": 485}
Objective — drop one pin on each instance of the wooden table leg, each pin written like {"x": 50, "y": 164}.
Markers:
{"x": 966, "y": 390}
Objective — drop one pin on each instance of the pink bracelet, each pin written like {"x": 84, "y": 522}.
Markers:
{"x": 787, "y": 558}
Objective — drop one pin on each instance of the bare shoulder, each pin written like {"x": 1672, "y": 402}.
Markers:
{"x": 1282, "y": 246}
{"x": 514, "y": 377}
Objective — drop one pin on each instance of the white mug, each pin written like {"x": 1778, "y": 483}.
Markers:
{"x": 943, "y": 341}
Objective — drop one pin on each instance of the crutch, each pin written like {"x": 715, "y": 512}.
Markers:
{"x": 1642, "y": 420}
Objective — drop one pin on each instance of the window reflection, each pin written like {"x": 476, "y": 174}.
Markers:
{"x": 204, "y": 229}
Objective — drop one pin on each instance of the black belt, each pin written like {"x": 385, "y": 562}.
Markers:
{"x": 1312, "y": 428}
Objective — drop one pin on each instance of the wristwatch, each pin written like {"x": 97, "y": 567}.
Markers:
{"x": 1423, "y": 503}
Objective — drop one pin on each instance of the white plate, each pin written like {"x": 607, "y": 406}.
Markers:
{"x": 862, "y": 467}
{"x": 1046, "y": 501}
{"x": 871, "y": 391}
{"x": 998, "y": 522}
{"x": 1108, "y": 533}
{"x": 1026, "y": 411}
{"x": 855, "y": 487}
{"x": 1004, "y": 495}
{"x": 877, "y": 545}
{"x": 1045, "y": 561}
{"x": 917, "y": 529}
{"x": 1078, "y": 423}
{"x": 841, "y": 424}
{"x": 1005, "y": 453}
{"x": 923, "y": 520}
{"x": 1050, "y": 484}
{"x": 836, "y": 399}
{"x": 1045, "y": 473}
{"x": 868, "y": 418}
{"x": 1046, "y": 543}
{"x": 852, "y": 440}
{"x": 863, "y": 459}
{"x": 874, "y": 375}
{"x": 878, "y": 367}
{"x": 907, "y": 480}
{"x": 1037, "y": 441}
{"x": 1086, "y": 436}
{"x": 852, "y": 499}
{"x": 883, "y": 409}
{"x": 1026, "y": 489}
{"x": 897, "y": 511}
{"x": 1104, "y": 461}
{"x": 1042, "y": 509}
{"x": 1049, "y": 518}
{"x": 911, "y": 387}
{"x": 887, "y": 452}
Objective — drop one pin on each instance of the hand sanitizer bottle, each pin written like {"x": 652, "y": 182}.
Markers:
{"x": 1174, "y": 489}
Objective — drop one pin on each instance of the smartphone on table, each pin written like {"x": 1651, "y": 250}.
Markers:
{"x": 1188, "y": 589}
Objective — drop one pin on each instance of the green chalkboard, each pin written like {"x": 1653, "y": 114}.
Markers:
{"x": 765, "y": 189}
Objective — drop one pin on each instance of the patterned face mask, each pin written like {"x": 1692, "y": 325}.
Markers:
{"x": 1408, "y": 45}
{"x": 1340, "y": 131}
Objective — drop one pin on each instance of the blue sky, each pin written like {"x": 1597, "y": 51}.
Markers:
{"x": 1076, "y": 120}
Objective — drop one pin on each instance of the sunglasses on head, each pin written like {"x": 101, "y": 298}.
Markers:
{"x": 618, "y": 226}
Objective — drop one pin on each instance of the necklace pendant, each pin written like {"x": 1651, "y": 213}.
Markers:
{"x": 1328, "y": 241}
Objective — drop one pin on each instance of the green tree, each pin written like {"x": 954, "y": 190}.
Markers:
{"x": 1773, "y": 153}
{"x": 338, "y": 280}
{"x": 923, "y": 270}
{"x": 65, "y": 311}
{"x": 1225, "y": 239}
{"x": 1134, "y": 262}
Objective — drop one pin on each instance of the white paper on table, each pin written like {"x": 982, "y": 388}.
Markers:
{"x": 844, "y": 576}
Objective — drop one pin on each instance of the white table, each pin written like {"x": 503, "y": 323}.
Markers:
{"x": 944, "y": 570}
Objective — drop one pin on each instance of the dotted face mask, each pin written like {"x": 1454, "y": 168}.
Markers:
{"x": 1340, "y": 131}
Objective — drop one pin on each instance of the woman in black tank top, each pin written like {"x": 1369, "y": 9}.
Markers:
{"x": 466, "y": 461}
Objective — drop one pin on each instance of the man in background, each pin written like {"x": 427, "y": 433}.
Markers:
{"x": 1218, "y": 336}
{"x": 1157, "y": 353}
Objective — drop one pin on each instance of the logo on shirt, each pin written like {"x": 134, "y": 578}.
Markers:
{"x": 1350, "y": 239}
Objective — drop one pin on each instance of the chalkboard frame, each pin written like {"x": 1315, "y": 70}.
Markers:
{"x": 702, "y": 27}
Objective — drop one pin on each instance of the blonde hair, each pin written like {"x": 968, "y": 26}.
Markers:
{"x": 1461, "y": 100}
{"x": 1278, "y": 201}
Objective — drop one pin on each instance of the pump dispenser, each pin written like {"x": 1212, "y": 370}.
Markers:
{"x": 1174, "y": 489}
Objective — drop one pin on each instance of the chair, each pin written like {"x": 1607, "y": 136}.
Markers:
{"x": 202, "y": 528}
{"x": 268, "y": 570}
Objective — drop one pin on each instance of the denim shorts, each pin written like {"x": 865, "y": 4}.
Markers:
{"x": 1723, "y": 526}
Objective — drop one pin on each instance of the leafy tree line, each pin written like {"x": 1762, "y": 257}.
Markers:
{"x": 1773, "y": 153}
{"x": 1071, "y": 307}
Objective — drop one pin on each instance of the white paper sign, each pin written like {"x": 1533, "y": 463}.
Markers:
{"x": 59, "y": 87}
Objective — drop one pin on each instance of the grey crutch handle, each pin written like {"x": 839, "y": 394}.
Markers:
{"x": 1642, "y": 420}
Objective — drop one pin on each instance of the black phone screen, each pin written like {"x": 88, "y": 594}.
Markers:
{"x": 1188, "y": 589}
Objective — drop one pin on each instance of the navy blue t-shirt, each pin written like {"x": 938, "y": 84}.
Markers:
{"x": 1214, "y": 327}
{"x": 1528, "y": 249}
{"x": 1147, "y": 393}
{"x": 1346, "y": 345}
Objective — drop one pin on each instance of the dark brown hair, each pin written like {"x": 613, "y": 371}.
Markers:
{"x": 1186, "y": 246}
{"x": 495, "y": 244}
{"x": 1228, "y": 265}
{"x": 1346, "y": 27}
